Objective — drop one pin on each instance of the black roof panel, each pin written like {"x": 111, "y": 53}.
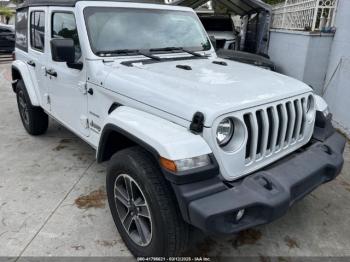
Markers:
{"x": 72, "y": 3}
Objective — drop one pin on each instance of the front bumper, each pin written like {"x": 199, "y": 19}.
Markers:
{"x": 212, "y": 204}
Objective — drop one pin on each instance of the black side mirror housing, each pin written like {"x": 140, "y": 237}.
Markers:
{"x": 63, "y": 50}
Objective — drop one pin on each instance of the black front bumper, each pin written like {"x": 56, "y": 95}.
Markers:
{"x": 212, "y": 204}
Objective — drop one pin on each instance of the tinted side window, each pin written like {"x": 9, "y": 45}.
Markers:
{"x": 22, "y": 29}
{"x": 217, "y": 23}
{"x": 64, "y": 26}
{"x": 37, "y": 30}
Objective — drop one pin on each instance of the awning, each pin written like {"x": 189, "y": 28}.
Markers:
{"x": 239, "y": 7}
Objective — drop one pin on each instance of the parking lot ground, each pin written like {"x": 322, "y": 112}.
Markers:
{"x": 53, "y": 203}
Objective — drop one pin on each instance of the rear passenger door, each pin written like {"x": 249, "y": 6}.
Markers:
{"x": 38, "y": 51}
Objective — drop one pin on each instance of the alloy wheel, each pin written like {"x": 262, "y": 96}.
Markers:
{"x": 133, "y": 210}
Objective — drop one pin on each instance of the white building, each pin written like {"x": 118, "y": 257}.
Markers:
{"x": 310, "y": 40}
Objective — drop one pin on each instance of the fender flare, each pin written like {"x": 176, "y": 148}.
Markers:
{"x": 109, "y": 128}
{"x": 157, "y": 135}
{"x": 173, "y": 142}
{"x": 24, "y": 73}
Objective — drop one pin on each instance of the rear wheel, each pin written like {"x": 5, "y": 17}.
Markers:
{"x": 143, "y": 206}
{"x": 34, "y": 119}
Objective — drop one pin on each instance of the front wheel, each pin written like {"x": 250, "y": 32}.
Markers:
{"x": 143, "y": 206}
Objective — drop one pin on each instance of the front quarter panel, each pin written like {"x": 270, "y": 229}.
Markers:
{"x": 170, "y": 140}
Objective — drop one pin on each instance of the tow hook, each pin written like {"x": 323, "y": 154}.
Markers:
{"x": 266, "y": 183}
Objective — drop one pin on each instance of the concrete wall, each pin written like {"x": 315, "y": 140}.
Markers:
{"x": 337, "y": 86}
{"x": 301, "y": 55}
{"x": 320, "y": 60}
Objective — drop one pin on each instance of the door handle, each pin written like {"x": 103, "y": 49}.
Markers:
{"x": 51, "y": 72}
{"x": 31, "y": 63}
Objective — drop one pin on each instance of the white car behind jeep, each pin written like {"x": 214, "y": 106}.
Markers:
{"x": 191, "y": 139}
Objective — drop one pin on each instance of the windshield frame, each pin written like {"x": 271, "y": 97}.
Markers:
{"x": 98, "y": 52}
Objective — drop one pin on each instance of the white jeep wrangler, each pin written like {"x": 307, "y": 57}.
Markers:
{"x": 191, "y": 139}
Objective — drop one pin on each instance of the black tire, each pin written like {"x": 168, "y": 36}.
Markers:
{"x": 169, "y": 231}
{"x": 34, "y": 119}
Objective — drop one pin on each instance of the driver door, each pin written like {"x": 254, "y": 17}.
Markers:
{"x": 67, "y": 85}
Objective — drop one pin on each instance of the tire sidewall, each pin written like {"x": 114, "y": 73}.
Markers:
{"x": 159, "y": 241}
{"x": 21, "y": 90}
{"x": 38, "y": 120}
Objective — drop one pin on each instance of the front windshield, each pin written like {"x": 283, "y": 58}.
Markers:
{"x": 114, "y": 29}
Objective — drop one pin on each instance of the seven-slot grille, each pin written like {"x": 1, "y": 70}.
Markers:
{"x": 275, "y": 128}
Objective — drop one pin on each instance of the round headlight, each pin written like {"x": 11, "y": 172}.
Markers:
{"x": 225, "y": 132}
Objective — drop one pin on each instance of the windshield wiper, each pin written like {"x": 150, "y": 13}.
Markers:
{"x": 129, "y": 52}
{"x": 177, "y": 49}
{"x": 149, "y": 55}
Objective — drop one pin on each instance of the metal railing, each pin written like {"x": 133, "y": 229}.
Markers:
{"x": 309, "y": 15}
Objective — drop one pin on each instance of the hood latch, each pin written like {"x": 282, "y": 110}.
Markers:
{"x": 197, "y": 123}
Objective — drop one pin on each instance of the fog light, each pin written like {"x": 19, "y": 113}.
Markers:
{"x": 239, "y": 215}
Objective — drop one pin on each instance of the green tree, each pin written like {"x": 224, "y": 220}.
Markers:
{"x": 6, "y": 12}
{"x": 17, "y": 2}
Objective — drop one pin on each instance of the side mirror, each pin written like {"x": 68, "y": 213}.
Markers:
{"x": 63, "y": 50}
{"x": 213, "y": 41}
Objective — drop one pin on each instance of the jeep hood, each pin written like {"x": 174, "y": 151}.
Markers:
{"x": 210, "y": 88}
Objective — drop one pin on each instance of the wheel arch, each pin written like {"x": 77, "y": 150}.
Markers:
{"x": 127, "y": 126}
{"x": 16, "y": 75}
{"x": 114, "y": 139}
{"x": 20, "y": 71}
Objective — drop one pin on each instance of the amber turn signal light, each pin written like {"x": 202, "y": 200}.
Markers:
{"x": 168, "y": 164}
